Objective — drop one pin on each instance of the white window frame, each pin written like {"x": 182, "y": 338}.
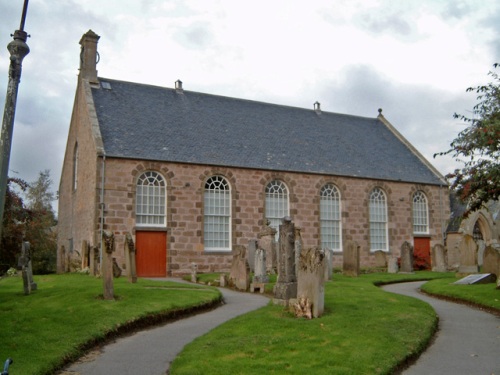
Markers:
{"x": 217, "y": 215}
{"x": 420, "y": 213}
{"x": 277, "y": 204}
{"x": 330, "y": 218}
{"x": 151, "y": 200}
{"x": 379, "y": 236}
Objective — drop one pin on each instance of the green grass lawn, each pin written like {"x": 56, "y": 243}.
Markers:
{"x": 484, "y": 295}
{"x": 66, "y": 315}
{"x": 364, "y": 330}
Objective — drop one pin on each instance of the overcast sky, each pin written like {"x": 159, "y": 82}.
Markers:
{"x": 413, "y": 58}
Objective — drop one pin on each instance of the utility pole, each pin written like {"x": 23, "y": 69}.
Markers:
{"x": 18, "y": 49}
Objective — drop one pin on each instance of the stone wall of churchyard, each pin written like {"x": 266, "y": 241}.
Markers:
{"x": 77, "y": 206}
{"x": 185, "y": 188}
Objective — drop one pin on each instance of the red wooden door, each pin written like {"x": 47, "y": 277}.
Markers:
{"x": 151, "y": 256}
{"x": 422, "y": 253}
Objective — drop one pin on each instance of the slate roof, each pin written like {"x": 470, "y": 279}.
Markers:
{"x": 155, "y": 123}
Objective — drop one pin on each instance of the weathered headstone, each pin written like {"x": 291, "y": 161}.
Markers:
{"x": 310, "y": 302}
{"x": 252, "y": 247}
{"x": 328, "y": 264}
{"x": 351, "y": 259}
{"x": 298, "y": 249}
{"x": 266, "y": 241}
{"x": 222, "y": 280}
{"x": 406, "y": 258}
{"x": 380, "y": 259}
{"x": 491, "y": 261}
{"x": 286, "y": 284}
{"x": 107, "y": 264}
{"x": 480, "y": 278}
{"x": 468, "y": 255}
{"x": 240, "y": 270}
{"x": 438, "y": 258}
{"x": 94, "y": 254}
{"x": 260, "y": 277}
{"x": 24, "y": 263}
{"x": 392, "y": 264}
{"x": 130, "y": 263}
{"x": 194, "y": 271}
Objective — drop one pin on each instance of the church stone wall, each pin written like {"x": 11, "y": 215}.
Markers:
{"x": 185, "y": 188}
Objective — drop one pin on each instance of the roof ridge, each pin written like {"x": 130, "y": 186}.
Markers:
{"x": 323, "y": 112}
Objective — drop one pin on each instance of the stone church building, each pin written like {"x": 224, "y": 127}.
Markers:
{"x": 191, "y": 175}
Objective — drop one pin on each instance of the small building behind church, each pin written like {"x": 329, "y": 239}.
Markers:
{"x": 191, "y": 175}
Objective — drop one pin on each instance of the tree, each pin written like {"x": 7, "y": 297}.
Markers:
{"x": 16, "y": 215}
{"x": 40, "y": 230}
{"x": 478, "y": 147}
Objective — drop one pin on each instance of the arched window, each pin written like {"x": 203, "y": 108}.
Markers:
{"x": 330, "y": 218}
{"x": 420, "y": 213}
{"x": 75, "y": 166}
{"x": 378, "y": 220}
{"x": 276, "y": 204}
{"x": 217, "y": 219}
{"x": 150, "y": 200}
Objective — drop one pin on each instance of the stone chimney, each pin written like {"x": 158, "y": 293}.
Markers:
{"x": 89, "y": 56}
{"x": 317, "y": 108}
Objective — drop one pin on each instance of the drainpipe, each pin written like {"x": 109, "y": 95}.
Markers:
{"x": 101, "y": 204}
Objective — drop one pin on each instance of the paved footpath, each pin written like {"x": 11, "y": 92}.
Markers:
{"x": 150, "y": 352}
{"x": 468, "y": 340}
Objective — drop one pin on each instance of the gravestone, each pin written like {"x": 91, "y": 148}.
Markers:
{"x": 298, "y": 249}
{"x": 252, "y": 246}
{"x": 328, "y": 264}
{"x": 351, "y": 259}
{"x": 468, "y": 255}
{"x": 94, "y": 255}
{"x": 380, "y": 259}
{"x": 24, "y": 263}
{"x": 266, "y": 240}
{"x": 491, "y": 261}
{"x": 310, "y": 302}
{"x": 480, "y": 278}
{"x": 392, "y": 264}
{"x": 222, "y": 280}
{"x": 286, "y": 284}
{"x": 194, "y": 270}
{"x": 107, "y": 264}
{"x": 130, "y": 258}
{"x": 438, "y": 258}
{"x": 406, "y": 258}
{"x": 260, "y": 277}
{"x": 240, "y": 270}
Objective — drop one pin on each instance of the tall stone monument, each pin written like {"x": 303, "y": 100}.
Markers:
{"x": 286, "y": 284}
{"x": 438, "y": 258}
{"x": 130, "y": 258}
{"x": 107, "y": 265}
{"x": 240, "y": 270}
{"x": 406, "y": 258}
{"x": 351, "y": 259}
{"x": 266, "y": 240}
{"x": 24, "y": 263}
{"x": 310, "y": 302}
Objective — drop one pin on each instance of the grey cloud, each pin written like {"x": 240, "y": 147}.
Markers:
{"x": 197, "y": 36}
{"x": 380, "y": 23}
{"x": 422, "y": 114}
